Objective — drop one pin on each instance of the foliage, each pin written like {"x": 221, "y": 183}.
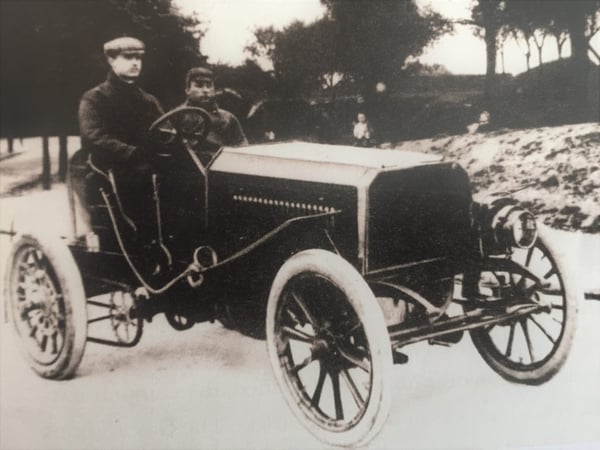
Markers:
{"x": 302, "y": 55}
{"x": 248, "y": 79}
{"x": 417, "y": 68}
{"x": 374, "y": 39}
{"x": 263, "y": 46}
{"x": 51, "y": 52}
{"x": 488, "y": 15}
{"x": 529, "y": 22}
{"x": 362, "y": 41}
{"x": 533, "y": 19}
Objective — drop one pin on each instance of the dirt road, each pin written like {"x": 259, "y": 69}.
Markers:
{"x": 210, "y": 388}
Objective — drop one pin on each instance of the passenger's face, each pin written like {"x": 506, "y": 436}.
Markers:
{"x": 126, "y": 66}
{"x": 201, "y": 91}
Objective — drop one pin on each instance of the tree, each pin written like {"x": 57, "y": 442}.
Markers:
{"x": 263, "y": 45}
{"x": 526, "y": 22}
{"x": 374, "y": 39}
{"x": 303, "y": 56}
{"x": 364, "y": 41}
{"x": 581, "y": 18}
{"x": 488, "y": 15}
{"x": 523, "y": 39}
{"x": 560, "y": 32}
{"x": 249, "y": 80}
{"x": 593, "y": 22}
{"x": 51, "y": 52}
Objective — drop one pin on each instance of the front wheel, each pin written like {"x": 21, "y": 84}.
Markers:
{"x": 329, "y": 348}
{"x": 532, "y": 348}
{"x": 48, "y": 305}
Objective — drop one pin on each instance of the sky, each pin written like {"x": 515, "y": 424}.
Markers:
{"x": 229, "y": 25}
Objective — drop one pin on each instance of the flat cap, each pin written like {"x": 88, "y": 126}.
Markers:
{"x": 199, "y": 73}
{"x": 124, "y": 45}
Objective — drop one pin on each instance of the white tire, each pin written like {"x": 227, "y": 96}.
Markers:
{"x": 47, "y": 304}
{"x": 534, "y": 348}
{"x": 329, "y": 348}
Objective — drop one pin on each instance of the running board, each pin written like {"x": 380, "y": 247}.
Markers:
{"x": 400, "y": 336}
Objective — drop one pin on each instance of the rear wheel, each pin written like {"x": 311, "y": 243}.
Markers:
{"x": 531, "y": 349}
{"x": 48, "y": 305}
{"x": 329, "y": 348}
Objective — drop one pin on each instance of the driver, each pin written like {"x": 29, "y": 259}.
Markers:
{"x": 114, "y": 122}
{"x": 225, "y": 128}
{"x": 115, "y": 116}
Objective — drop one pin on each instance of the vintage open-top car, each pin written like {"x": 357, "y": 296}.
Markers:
{"x": 338, "y": 256}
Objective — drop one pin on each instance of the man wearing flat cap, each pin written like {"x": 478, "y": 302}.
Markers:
{"x": 114, "y": 121}
{"x": 225, "y": 128}
{"x": 114, "y": 117}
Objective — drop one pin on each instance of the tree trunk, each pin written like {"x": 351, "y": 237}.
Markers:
{"x": 63, "y": 157}
{"x": 579, "y": 44}
{"x": 579, "y": 57}
{"x": 46, "y": 173}
{"x": 11, "y": 144}
{"x": 559, "y": 45}
{"x": 528, "y": 59}
{"x": 594, "y": 52}
{"x": 490, "y": 70}
{"x": 540, "y": 55}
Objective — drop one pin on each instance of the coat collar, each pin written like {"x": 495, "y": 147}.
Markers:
{"x": 116, "y": 83}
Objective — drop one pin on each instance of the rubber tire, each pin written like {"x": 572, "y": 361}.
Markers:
{"x": 67, "y": 273}
{"x": 561, "y": 352}
{"x": 339, "y": 272}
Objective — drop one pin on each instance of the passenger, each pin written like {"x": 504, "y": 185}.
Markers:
{"x": 114, "y": 121}
{"x": 225, "y": 128}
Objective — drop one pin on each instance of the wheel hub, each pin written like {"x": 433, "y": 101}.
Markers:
{"x": 320, "y": 348}
{"x": 40, "y": 297}
{"x": 325, "y": 347}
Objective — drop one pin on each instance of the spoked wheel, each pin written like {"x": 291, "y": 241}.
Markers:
{"x": 532, "y": 348}
{"x": 47, "y": 304}
{"x": 127, "y": 329}
{"x": 329, "y": 348}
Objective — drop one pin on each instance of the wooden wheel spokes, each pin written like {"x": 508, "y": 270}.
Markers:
{"x": 530, "y": 340}
{"x": 40, "y": 318}
{"x": 46, "y": 302}
{"x": 329, "y": 348}
{"x": 329, "y": 365}
{"x": 126, "y": 328}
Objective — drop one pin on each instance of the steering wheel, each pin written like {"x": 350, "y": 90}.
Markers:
{"x": 190, "y": 123}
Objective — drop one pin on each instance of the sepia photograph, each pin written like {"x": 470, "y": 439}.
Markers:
{"x": 299, "y": 224}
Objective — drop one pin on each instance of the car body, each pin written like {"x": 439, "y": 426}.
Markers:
{"x": 339, "y": 256}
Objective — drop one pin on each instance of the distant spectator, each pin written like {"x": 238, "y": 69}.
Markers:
{"x": 484, "y": 121}
{"x": 363, "y": 133}
{"x": 482, "y": 125}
